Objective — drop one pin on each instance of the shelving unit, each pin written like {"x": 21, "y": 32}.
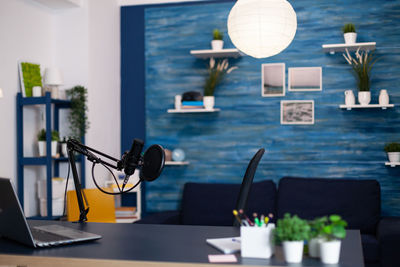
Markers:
{"x": 194, "y": 110}
{"x": 176, "y": 163}
{"x": 333, "y": 48}
{"x": 392, "y": 164}
{"x": 349, "y": 107}
{"x": 225, "y": 53}
{"x": 48, "y": 161}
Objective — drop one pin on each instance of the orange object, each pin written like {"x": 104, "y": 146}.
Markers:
{"x": 101, "y": 206}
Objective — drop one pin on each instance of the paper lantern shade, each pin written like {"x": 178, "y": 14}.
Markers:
{"x": 262, "y": 28}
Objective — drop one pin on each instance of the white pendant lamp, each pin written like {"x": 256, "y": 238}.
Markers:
{"x": 262, "y": 28}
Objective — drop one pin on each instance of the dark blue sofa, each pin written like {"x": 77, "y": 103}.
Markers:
{"x": 357, "y": 201}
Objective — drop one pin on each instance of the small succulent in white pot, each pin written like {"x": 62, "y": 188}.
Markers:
{"x": 217, "y": 43}
{"x": 349, "y": 33}
{"x": 393, "y": 151}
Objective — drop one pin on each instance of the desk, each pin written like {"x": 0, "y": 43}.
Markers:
{"x": 150, "y": 245}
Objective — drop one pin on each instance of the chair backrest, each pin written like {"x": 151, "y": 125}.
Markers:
{"x": 101, "y": 206}
{"x": 247, "y": 181}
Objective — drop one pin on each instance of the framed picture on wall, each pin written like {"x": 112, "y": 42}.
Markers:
{"x": 297, "y": 112}
{"x": 273, "y": 79}
{"x": 305, "y": 79}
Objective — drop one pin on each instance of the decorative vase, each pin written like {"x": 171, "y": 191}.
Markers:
{"x": 54, "y": 145}
{"x": 178, "y": 102}
{"x": 383, "y": 97}
{"x": 364, "y": 97}
{"x": 178, "y": 154}
{"x": 42, "y": 148}
{"x": 314, "y": 247}
{"x": 208, "y": 102}
{"x": 293, "y": 251}
{"x": 217, "y": 44}
{"x": 350, "y": 99}
{"x": 394, "y": 156}
{"x": 330, "y": 251}
{"x": 350, "y": 37}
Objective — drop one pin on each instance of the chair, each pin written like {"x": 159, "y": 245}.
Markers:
{"x": 101, "y": 206}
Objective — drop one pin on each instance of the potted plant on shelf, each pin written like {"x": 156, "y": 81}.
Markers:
{"x": 361, "y": 64}
{"x": 55, "y": 137}
{"x": 216, "y": 71}
{"x": 77, "y": 117}
{"x": 349, "y": 33}
{"x": 291, "y": 231}
{"x": 393, "y": 151}
{"x": 332, "y": 232}
{"x": 316, "y": 233}
{"x": 217, "y": 43}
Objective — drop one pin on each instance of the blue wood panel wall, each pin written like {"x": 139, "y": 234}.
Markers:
{"x": 341, "y": 144}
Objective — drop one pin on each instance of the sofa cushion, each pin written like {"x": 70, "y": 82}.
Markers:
{"x": 357, "y": 201}
{"x": 212, "y": 204}
{"x": 371, "y": 248}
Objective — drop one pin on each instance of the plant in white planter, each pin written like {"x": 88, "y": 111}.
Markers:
{"x": 217, "y": 43}
{"x": 333, "y": 231}
{"x": 55, "y": 137}
{"x": 216, "y": 72}
{"x": 349, "y": 33}
{"x": 393, "y": 151}
{"x": 316, "y": 234}
{"x": 361, "y": 64}
{"x": 291, "y": 233}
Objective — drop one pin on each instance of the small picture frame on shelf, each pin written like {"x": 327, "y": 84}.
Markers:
{"x": 273, "y": 79}
{"x": 29, "y": 76}
{"x": 305, "y": 79}
{"x": 297, "y": 112}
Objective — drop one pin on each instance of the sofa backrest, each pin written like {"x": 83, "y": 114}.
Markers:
{"x": 212, "y": 204}
{"x": 357, "y": 201}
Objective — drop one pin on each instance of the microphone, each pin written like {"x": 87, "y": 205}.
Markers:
{"x": 131, "y": 160}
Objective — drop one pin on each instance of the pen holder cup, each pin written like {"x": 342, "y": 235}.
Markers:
{"x": 256, "y": 242}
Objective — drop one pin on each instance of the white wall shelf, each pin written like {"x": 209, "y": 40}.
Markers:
{"x": 332, "y": 48}
{"x": 392, "y": 164}
{"x": 349, "y": 107}
{"x": 60, "y": 4}
{"x": 176, "y": 163}
{"x": 208, "y": 53}
{"x": 193, "y": 110}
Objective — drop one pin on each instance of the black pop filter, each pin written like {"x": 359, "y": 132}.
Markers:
{"x": 153, "y": 163}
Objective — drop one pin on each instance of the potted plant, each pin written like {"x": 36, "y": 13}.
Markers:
{"x": 349, "y": 33}
{"x": 216, "y": 71}
{"x": 393, "y": 151}
{"x": 332, "y": 232}
{"x": 217, "y": 43}
{"x": 291, "y": 231}
{"x": 77, "y": 117}
{"x": 42, "y": 142}
{"x": 316, "y": 232}
{"x": 361, "y": 64}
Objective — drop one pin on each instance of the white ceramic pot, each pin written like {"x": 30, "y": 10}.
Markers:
{"x": 64, "y": 150}
{"x": 313, "y": 247}
{"x": 330, "y": 251}
{"x": 350, "y": 99}
{"x": 383, "y": 97}
{"x": 42, "y": 148}
{"x": 178, "y": 102}
{"x": 364, "y": 97}
{"x": 208, "y": 102}
{"x": 293, "y": 251}
{"x": 54, "y": 148}
{"x": 36, "y": 91}
{"x": 350, "y": 37}
{"x": 394, "y": 156}
{"x": 217, "y": 44}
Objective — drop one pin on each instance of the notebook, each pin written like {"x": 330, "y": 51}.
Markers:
{"x": 227, "y": 245}
{"x": 13, "y": 224}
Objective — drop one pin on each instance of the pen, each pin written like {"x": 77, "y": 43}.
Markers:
{"x": 235, "y": 213}
{"x": 246, "y": 218}
{"x": 256, "y": 220}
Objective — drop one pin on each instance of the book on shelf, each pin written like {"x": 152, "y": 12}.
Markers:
{"x": 192, "y": 104}
{"x": 125, "y": 212}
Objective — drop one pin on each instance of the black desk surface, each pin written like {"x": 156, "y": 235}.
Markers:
{"x": 166, "y": 243}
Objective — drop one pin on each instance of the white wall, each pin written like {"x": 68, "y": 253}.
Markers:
{"x": 84, "y": 43}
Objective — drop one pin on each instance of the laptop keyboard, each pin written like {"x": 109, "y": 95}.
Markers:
{"x": 42, "y": 236}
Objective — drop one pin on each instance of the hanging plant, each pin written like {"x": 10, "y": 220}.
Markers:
{"x": 77, "y": 118}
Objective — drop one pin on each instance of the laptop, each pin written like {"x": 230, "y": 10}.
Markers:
{"x": 14, "y": 225}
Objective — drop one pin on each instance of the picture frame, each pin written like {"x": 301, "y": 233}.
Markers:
{"x": 297, "y": 112}
{"x": 273, "y": 79}
{"x": 305, "y": 79}
{"x": 29, "y": 76}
